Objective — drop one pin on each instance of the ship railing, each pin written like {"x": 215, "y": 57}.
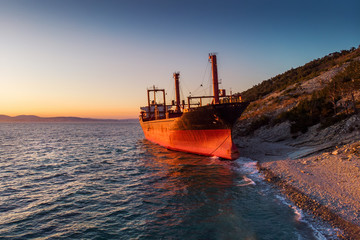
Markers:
{"x": 146, "y": 116}
{"x": 223, "y": 99}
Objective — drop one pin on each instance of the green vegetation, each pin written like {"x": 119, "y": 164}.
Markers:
{"x": 307, "y": 113}
{"x": 256, "y": 124}
{"x": 323, "y": 106}
{"x": 308, "y": 71}
{"x": 333, "y": 103}
{"x": 345, "y": 84}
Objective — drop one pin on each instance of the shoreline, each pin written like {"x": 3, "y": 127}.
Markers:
{"x": 307, "y": 187}
{"x": 304, "y": 202}
{"x": 319, "y": 170}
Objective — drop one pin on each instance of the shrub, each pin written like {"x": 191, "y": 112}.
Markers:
{"x": 332, "y": 120}
{"x": 257, "y": 123}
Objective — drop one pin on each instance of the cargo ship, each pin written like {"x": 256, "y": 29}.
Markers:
{"x": 199, "y": 128}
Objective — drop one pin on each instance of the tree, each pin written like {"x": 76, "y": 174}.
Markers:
{"x": 350, "y": 81}
{"x": 333, "y": 92}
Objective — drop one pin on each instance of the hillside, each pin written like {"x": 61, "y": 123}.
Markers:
{"x": 301, "y": 74}
{"x": 325, "y": 91}
{"x": 303, "y": 128}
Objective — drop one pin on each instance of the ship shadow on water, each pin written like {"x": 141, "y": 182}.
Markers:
{"x": 188, "y": 194}
{"x": 185, "y": 170}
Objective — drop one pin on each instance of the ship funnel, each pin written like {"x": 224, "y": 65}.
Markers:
{"x": 212, "y": 58}
{"x": 177, "y": 91}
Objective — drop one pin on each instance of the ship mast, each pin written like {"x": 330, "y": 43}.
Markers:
{"x": 212, "y": 58}
{"x": 177, "y": 91}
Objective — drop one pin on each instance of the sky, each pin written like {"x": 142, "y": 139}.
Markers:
{"x": 97, "y": 58}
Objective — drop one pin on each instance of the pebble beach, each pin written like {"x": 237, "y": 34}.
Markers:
{"x": 319, "y": 171}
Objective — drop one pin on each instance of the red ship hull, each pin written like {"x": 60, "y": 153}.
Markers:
{"x": 208, "y": 142}
{"x": 204, "y": 130}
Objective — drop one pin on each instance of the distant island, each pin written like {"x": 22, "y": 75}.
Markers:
{"x": 33, "y": 118}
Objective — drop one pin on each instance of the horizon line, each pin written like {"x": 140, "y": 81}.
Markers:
{"x": 93, "y": 118}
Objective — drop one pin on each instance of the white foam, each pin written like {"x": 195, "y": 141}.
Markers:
{"x": 251, "y": 166}
{"x": 213, "y": 160}
{"x": 248, "y": 165}
{"x": 299, "y": 216}
{"x": 317, "y": 234}
{"x": 247, "y": 181}
{"x": 250, "y": 181}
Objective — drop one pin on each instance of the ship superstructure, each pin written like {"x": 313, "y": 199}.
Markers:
{"x": 194, "y": 127}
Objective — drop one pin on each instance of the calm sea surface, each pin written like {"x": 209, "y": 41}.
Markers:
{"x": 104, "y": 181}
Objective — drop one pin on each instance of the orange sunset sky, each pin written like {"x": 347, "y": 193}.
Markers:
{"x": 96, "y": 58}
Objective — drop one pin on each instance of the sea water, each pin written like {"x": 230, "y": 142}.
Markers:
{"x": 105, "y": 181}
